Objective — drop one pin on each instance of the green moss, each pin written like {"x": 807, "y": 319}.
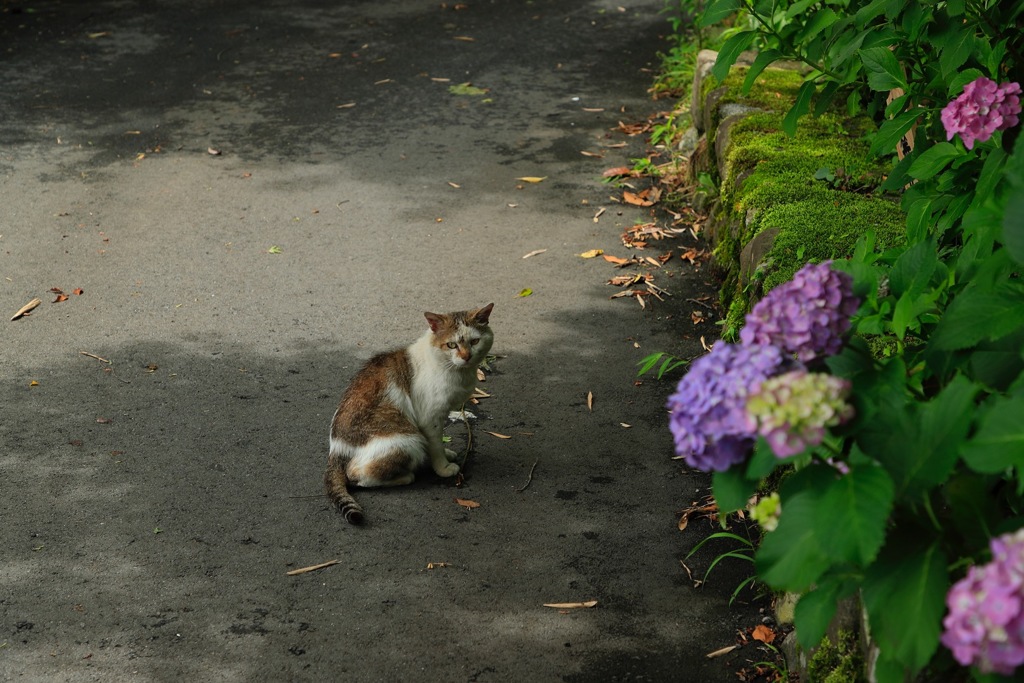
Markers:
{"x": 815, "y": 231}
{"x": 839, "y": 663}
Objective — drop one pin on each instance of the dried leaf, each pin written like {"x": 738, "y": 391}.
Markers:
{"x": 593, "y": 253}
{"x": 213, "y": 152}
{"x": 684, "y": 521}
{"x": 347, "y": 105}
{"x": 436, "y": 565}
{"x": 500, "y": 436}
{"x": 600, "y": 212}
{"x": 534, "y": 253}
{"x": 532, "y": 179}
{"x": 722, "y": 651}
{"x": 313, "y": 568}
{"x": 635, "y": 199}
{"x": 593, "y": 109}
{"x": 591, "y": 154}
{"x": 763, "y": 633}
{"x": 571, "y": 605}
{"x": 33, "y": 383}
{"x": 525, "y": 292}
{"x": 60, "y": 297}
{"x": 455, "y": 185}
{"x": 464, "y": 38}
{"x": 616, "y": 260}
{"x": 625, "y": 426}
{"x": 617, "y": 171}
{"x": 480, "y": 376}
{"x": 103, "y": 420}
{"x": 78, "y": 291}
{"x": 590, "y": 401}
{"x": 26, "y": 308}
{"x": 275, "y": 250}
{"x": 468, "y": 504}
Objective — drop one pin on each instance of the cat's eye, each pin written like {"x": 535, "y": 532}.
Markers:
{"x": 474, "y": 342}
{"x": 452, "y": 345}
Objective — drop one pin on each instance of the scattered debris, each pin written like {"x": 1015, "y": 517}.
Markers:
{"x": 313, "y": 568}
{"x": 572, "y": 605}
{"x": 24, "y": 310}
{"x": 468, "y": 504}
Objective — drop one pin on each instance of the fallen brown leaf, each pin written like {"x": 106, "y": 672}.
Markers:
{"x": 617, "y": 171}
{"x": 590, "y": 401}
{"x": 593, "y": 253}
{"x": 500, "y": 436}
{"x": 78, "y": 291}
{"x": 616, "y": 260}
{"x": 763, "y": 634}
{"x": 468, "y": 504}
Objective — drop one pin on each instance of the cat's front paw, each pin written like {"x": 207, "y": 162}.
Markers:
{"x": 451, "y": 455}
{"x": 447, "y": 470}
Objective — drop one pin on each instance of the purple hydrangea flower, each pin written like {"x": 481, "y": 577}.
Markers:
{"x": 981, "y": 109}
{"x": 985, "y": 623}
{"x": 806, "y": 316}
{"x": 708, "y": 411}
{"x": 793, "y": 410}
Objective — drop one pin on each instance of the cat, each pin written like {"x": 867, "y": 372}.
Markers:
{"x": 389, "y": 421}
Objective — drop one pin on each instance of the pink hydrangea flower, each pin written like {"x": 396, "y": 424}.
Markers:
{"x": 985, "y": 623}
{"x": 981, "y": 109}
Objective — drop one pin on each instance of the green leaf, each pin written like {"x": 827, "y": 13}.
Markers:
{"x": 954, "y": 8}
{"x": 919, "y": 443}
{"x": 799, "y": 108}
{"x": 954, "y": 48}
{"x": 918, "y": 216}
{"x": 859, "y": 503}
{"x": 818, "y": 22}
{"x": 791, "y": 557}
{"x": 884, "y": 72}
{"x": 999, "y": 441}
{"x": 732, "y": 489}
{"x": 719, "y": 10}
{"x": 933, "y": 160}
{"x": 1013, "y": 224}
{"x": 814, "y": 613}
{"x": 730, "y": 51}
{"x": 869, "y": 11}
{"x": 904, "y": 594}
{"x": 977, "y": 314}
{"x": 913, "y": 269}
{"x": 889, "y": 135}
{"x": 763, "y": 59}
{"x": 467, "y": 89}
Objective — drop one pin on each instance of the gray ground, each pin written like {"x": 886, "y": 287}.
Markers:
{"x": 152, "y": 506}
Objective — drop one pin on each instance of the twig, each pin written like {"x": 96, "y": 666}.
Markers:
{"x": 700, "y": 303}
{"x": 93, "y": 355}
{"x": 313, "y": 568}
{"x": 529, "y": 478}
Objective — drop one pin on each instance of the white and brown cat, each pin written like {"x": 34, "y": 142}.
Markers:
{"x": 389, "y": 422}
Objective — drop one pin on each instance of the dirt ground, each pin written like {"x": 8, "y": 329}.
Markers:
{"x": 244, "y": 200}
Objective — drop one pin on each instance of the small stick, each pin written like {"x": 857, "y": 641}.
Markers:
{"x": 530, "y": 478}
{"x": 93, "y": 355}
{"x": 315, "y": 567}
{"x": 26, "y": 308}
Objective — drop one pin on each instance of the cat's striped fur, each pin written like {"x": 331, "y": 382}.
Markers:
{"x": 389, "y": 422}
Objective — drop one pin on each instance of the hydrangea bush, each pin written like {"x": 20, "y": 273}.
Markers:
{"x": 899, "y": 400}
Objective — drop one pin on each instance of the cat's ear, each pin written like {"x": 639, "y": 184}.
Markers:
{"x": 434, "y": 320}
{"x": 483, "y": 314}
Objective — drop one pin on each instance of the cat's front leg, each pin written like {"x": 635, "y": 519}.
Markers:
{"x": 439, "y": 460}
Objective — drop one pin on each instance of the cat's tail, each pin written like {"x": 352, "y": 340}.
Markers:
{"x": 336, "y": 486}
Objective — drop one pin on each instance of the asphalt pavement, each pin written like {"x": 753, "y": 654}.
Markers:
{"x": 238, "y": 202}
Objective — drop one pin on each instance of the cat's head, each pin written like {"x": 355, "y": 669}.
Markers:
{"x": 461, "y": 338}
